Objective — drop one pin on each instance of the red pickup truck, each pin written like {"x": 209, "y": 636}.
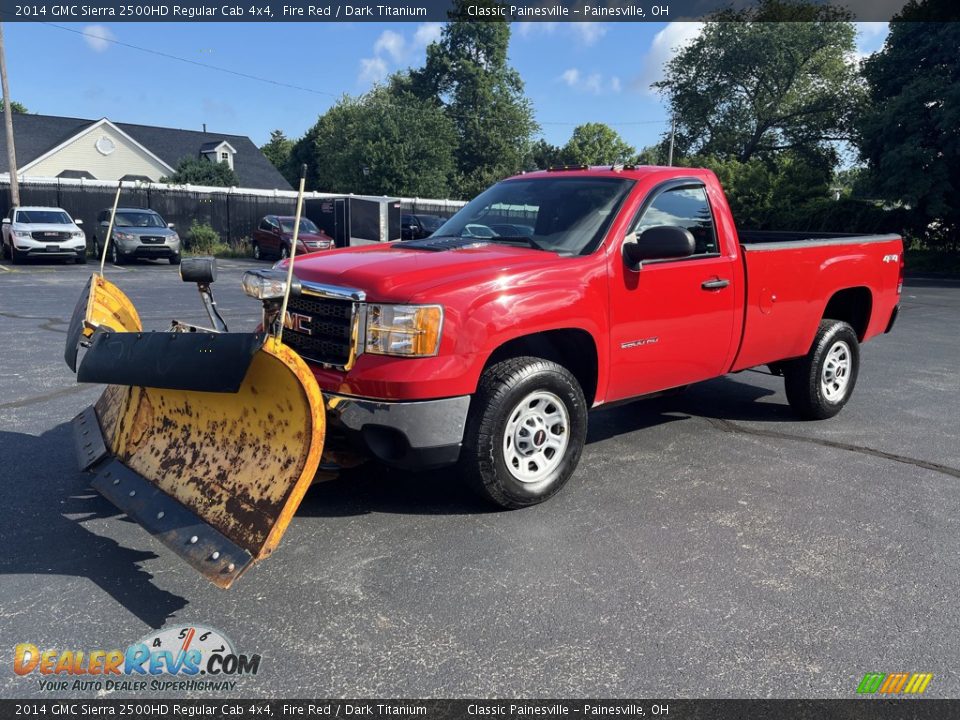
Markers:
{"x": 555, "y": 292}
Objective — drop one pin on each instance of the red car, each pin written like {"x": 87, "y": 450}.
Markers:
{"x": 556, "y": 292}
{"x": 273, "y": 235}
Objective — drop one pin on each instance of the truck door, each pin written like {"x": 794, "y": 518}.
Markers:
{"x": 672, "y": 320}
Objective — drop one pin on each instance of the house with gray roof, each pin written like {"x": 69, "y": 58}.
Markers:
{"x": 49, "y": 146}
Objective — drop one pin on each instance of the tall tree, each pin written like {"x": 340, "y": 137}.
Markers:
{"x": 909, "y": 135}
{"x": 544, "y": 155}
{"x": 758, "y": 81}
{"x": 277, "y": 150}
{"x": 597, "y": 144}
{"x": 467, "y": 74}
{"x": 383, "y": 143}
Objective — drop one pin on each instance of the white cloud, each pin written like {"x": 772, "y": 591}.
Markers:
{"x": 663, "y": 47}
{"x": 584, "y": 32}
{"x": 392, "y": 50}
{"x": 571, "y": 77}
{"x": 391, "y": 43}
{"x": 98, "y": 37}
{"x": 870, "y": 38}
{"x": 588, "y": 32}
{"x": 594, "y": 83}
{"x": 373, "y": 70}
{"x": 427, "y": 33}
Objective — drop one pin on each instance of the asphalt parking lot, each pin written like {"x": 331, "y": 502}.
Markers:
{"x": 708, "y": 546}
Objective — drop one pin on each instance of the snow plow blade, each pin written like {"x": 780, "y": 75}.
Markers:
{"x": 213, "y": 464}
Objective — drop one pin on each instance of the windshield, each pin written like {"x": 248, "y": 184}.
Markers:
{"x": 138, "y": 219}
{"x": 567, "y": 215}
{"x": 306, "y": 226}
{"x": 43, "y": 217}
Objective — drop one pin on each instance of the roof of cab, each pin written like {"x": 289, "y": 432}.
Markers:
{"x": 633, "y": 172}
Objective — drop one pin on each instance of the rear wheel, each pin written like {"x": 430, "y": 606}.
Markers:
{"x": 820, "y": 384}
{"x": 525, "y": 432}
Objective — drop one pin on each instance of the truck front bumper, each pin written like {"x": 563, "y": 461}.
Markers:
{"x": 411, "y": 435}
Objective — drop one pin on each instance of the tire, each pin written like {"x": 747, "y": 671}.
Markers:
{"x": 81, "y": 258}
{"x": 284, "y": 252}
{"x": 257, "y": 255}
{"x": 820, "y": 384}
{"x": 15, "y": 257}
{"x": 174, "y": 259}
{"x": 6, "y": 250}
{"x": 116, "y": 257}
{"x": 512, "y": 455}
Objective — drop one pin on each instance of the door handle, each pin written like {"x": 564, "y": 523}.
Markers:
{"x": 716, "y": 284}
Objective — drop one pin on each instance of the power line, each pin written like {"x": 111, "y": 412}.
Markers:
{"x": 278, "y": 83}
{"x": 170, "y": 56}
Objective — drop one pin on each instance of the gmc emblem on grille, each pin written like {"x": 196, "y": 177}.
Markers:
{"x": 298, "y": 323}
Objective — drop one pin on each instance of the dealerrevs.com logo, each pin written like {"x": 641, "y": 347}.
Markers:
{"x": 196, "y": 657}
{"x": 894, "y": 683}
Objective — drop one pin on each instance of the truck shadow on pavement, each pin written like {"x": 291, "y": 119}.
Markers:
{"x": 376, "y": 488}
{"x": 48, "y": 501}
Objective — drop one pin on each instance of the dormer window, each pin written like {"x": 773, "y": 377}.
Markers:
{"x": 218, "y": 151}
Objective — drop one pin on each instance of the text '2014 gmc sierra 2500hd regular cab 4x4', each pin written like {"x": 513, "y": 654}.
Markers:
{"x": 554, "y": 292}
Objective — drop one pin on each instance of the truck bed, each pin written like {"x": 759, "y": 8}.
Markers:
{"x": 791, "y": 277}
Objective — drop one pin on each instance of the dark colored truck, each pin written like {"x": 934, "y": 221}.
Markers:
{"x": 488, "y": 349}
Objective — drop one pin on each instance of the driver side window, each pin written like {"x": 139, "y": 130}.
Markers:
{"x": 685, "y": 207}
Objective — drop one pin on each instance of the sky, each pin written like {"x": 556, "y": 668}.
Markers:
{"x": 573, "y": 72}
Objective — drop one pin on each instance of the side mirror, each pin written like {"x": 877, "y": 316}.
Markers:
{"x": 171, "y": 226}
{"x": 659, "y": 243}
{"x": 6, "y": 221}
{"x": 78, "y": 222}
{"x": 200, "y": 270}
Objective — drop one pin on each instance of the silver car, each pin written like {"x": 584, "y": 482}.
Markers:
{"x": 137, "y": 233}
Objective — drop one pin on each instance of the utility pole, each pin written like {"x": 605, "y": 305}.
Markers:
{"x": 673, "y": 130}
{"x": 8, "y": 121}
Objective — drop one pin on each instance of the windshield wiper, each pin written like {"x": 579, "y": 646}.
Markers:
{"x": 520, "y": 238}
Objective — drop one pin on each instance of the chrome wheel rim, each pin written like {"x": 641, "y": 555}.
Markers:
{"x": 284, "y": 253}
{"x": 835, "y": 376}
{"x": 256, "y": 252}
{"x": 536, "y": 436}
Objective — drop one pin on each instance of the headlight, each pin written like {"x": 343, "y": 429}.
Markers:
{"x": 406, "y": 330}
{"x": 264, "y": 284}
{"x": 126, "y": 237}
{"x": 21, "y": 233}
{"x": 174, "y": 238}
{"x": 78, "y": 235}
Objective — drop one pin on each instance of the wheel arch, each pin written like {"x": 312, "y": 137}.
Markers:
{"x": 573, "y": 348}
{"x": 852, "y": 305}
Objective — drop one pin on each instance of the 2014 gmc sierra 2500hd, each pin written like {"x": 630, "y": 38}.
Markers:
{"x": 555, "y": 292}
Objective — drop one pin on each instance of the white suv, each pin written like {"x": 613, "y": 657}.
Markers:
{"x": 48, "y": 232}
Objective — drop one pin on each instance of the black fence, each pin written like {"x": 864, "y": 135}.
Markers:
{"x": 233, "y": 213}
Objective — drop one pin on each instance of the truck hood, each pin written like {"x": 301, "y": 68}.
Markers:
{"x": 390, "y": 272}
{"x": 45, "y": 227}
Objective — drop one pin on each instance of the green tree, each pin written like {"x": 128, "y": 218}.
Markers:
{"x": 383, "y": 143}
{"x": 755, "y": 82}
{"x": 597, "y": 144}
{"x": 198, "y": 171}
{"x": 14, "y": 106}
{"x": 909, "y": 136}
{"x": 467, "y": 74}
{"x": 277, "y": 150}
{"x": 544, "y": 155}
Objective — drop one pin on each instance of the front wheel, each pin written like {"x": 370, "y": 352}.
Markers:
{"x": 820, "y": 384}
{"x": 284, "y": 252}
{"x": 257, "y": 255}
{"x": 174, "y": 259}
{"x": 525, "y": 432}
{"x": 116, "y": 257}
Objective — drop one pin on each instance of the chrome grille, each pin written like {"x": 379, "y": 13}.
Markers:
{"x": 50, "y": 235}
{"x": 321, "y": 329}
